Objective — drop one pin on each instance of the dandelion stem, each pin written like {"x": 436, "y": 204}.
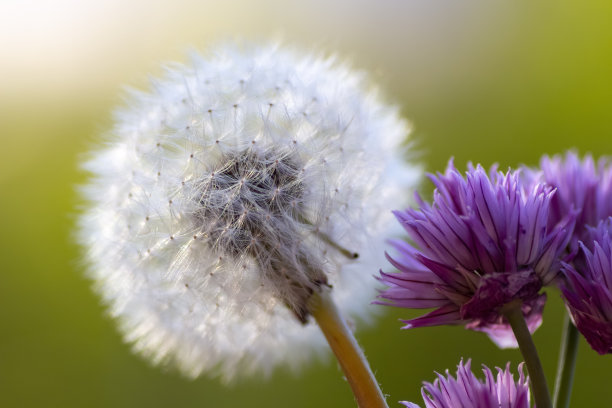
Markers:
{"x": 347, "y": 351}
{"x": 566, "y": 365}
{"x": 512, "y": 311}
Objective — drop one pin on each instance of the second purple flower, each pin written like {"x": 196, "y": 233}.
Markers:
{"x": 483, "y": 243}
{"x": 588, "y": 288}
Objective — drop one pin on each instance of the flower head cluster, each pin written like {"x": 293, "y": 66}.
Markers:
{"x": 467, "y": 391}
{"x": 583, "y": 187}
{"x": 483, "y": 243}
{"x": 230, "y": 193}
{"x": 587, "y": 288}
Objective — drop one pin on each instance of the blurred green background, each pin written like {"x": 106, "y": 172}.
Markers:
{"x": 486, "y": 81}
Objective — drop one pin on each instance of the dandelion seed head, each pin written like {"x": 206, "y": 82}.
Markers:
{"x": 222, "y": 201}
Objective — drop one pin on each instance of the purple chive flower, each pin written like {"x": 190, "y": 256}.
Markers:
{"x": 467, "y": 391}
{"x": 583, "y": 187}
{"x": 483, "y": 243}
{"x": 587, "y": 288}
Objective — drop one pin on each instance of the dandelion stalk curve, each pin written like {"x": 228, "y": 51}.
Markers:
{"x": 513, "y": 313}
{"x": 346, "y": 349}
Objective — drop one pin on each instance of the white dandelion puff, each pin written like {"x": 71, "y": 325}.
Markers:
{"x": 228, "y": 194}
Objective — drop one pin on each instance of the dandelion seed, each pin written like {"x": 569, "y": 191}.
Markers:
{"x": 219, "y": 158}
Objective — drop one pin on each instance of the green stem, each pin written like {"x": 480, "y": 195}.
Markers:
{"x": 352, "y": 360}
{"x": 566, "y": 365}
{"x": 513, "y": 313}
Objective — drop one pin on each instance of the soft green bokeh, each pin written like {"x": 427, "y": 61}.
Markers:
{"x": 480, "y": 80}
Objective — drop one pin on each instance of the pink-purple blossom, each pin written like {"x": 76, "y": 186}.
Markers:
{"x": 587, "y": 288}
{"x": 484, "y": 242}
{"x": 583, "y": 187}
{"x": 465, "y": 390}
